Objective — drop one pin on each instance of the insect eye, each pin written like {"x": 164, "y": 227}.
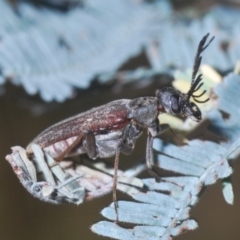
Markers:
{"x": 174, "y": 104}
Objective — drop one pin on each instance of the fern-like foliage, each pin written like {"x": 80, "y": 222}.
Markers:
{"x": 52, "y": 52}
{"x": 228, "y": 103}
{"x": 61, "y": 5}
{"x": 163, "y": 211}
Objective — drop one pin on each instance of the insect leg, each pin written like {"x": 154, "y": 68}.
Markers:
{"x": 157, "y": 129}
{"x": 122, "y": 147}
{"x": 164, "y": 127}
{"x": 69, "y": 149}
{"x": 130, "y": 135}
{"x": 149, "y": 157}
{"x": 131, "y": 132}
{"x": 116, "y": 163}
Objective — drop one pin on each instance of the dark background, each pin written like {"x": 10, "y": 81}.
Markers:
{"x": 23, "y": 217}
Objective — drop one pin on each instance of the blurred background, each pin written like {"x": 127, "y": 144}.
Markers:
{"x": 60, "y": 58}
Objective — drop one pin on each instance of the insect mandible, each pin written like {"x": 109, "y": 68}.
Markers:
{"x": 113, "y": 128}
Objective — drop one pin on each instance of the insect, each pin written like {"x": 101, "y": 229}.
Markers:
{"x": 113, "y": 128}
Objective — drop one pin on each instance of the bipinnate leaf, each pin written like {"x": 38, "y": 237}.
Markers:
{"x": 48, "y": 53}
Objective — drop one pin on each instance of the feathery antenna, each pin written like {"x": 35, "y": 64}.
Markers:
{"x": 196, "y": 81}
